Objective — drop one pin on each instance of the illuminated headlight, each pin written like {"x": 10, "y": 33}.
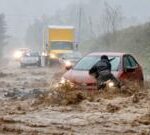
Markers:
{"x": 68, "y": 63}
{"x": 17, "y": 54}
{"x": 53, "y": 56}
{"x": 44, "y": 54}
{"x": 63, "y": 81}
{"x": 111, "y": 84}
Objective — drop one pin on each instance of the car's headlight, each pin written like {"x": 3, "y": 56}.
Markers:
{"x": 63, "y": 80}
{"x": 68, "y": 63}
{"x": 17, "y": 54}
{"x": 111, "y": 84}
{"x": 53, "y": 56}
{"x": 44, "y": 54}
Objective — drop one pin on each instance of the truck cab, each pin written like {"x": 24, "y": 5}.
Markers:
{"x": 59, "y": 40}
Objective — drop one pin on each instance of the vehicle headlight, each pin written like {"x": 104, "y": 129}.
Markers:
{"x": 111, "y": 84}
{"x": 68, "y": 63}
{"x": 63, "y": 81}
{"x": 53, "y": 56}
{"x": 44, "y": 54}
{"x": 17, "y": 54}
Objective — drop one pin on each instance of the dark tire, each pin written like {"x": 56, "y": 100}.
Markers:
{"x": 46, "y": 61}
{"x": 39, "y": 62}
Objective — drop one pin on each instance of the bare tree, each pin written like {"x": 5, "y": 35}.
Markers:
{"x": 112, "y": 18}
{"x": 3, "y": 35}
{"x": 112, "y": 21}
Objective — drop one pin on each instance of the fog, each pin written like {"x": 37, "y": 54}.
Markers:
{"x": 21, "y": 13}
{"x": 44, "y": 94}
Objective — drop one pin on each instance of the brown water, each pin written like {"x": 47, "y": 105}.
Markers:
{"x": 27, "y": 113}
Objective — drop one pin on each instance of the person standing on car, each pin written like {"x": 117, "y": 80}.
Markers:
{"x": 102, "y": 72}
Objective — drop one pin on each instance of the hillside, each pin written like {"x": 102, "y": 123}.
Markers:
{"x": 135, "y": 40}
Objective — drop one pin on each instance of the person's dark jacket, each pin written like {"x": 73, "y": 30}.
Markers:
{"x": 101, "y": 67}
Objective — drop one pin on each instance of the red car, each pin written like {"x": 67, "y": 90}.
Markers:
{"x": 124, "y": 67}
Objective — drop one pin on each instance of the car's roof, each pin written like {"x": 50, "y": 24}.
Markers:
{"x": 24, "y": 48}
{"x": 108, "y": 53}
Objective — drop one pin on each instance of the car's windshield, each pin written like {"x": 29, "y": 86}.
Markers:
{"x": 61, "y": 46}
{"x": 31, "y": 54}
{"x": 87, "y": 62}
{"x": 34, "y": 54}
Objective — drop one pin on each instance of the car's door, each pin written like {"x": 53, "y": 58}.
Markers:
{"x": 132, "y": 70}
{"x": 126, "y": 64}
{"x": 137, "y": 71}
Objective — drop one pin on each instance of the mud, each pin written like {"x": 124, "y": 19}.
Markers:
{"x": 30, "y": 106}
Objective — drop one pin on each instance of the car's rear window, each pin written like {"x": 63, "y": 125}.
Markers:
{"x": 31, "y": 54}
{"x": 88, "y": 62}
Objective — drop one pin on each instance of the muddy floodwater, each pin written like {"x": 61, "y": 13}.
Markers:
{"x": 24, "y": 110}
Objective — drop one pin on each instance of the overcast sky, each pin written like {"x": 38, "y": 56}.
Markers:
{"x": 32, "y": 7}
{"x": 20, "y": 13}
{"x": 136, "y": 8}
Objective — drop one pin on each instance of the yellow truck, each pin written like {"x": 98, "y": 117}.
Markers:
{"x": 58, "y": 40}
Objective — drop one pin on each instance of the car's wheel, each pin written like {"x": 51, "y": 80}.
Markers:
{"x": 39, "y": 62}
{"x": 47, "y": 61}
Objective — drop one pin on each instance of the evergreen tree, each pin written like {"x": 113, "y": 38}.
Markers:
{"x": 34, "y": 35}
{"x": 3, "y": 36}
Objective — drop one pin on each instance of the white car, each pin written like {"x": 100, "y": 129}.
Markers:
{"x": 30, "y": 59}
{"x": 20, "y": 52}
{"x": 70, "y": 59}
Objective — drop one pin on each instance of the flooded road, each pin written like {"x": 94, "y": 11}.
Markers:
{"x": 23, "y": 112}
